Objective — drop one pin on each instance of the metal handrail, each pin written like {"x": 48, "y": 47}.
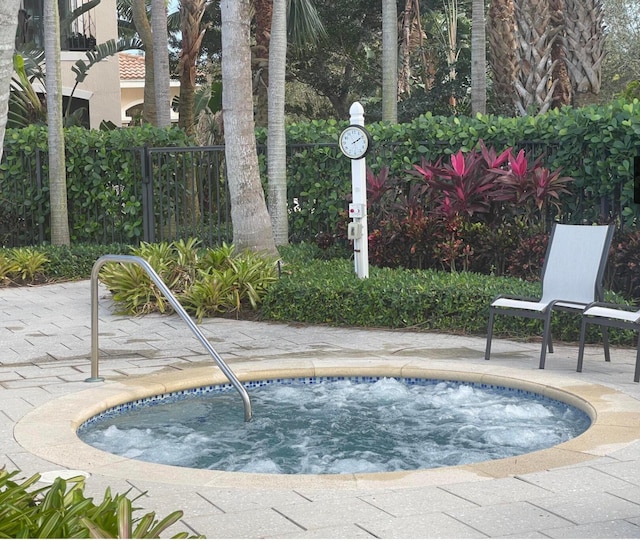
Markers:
{"x": 176, "y": 306}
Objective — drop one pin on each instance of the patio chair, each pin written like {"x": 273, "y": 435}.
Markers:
{"x": 610, "y": 315}
{"x": 571, "y": 279}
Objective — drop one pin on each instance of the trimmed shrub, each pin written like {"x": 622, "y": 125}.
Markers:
{"x": 329, "y": 292}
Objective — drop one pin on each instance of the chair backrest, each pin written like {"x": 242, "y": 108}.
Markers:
{"x": 574, "y": 265}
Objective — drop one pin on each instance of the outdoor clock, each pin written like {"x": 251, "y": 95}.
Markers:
{"x": 354, "y": 142}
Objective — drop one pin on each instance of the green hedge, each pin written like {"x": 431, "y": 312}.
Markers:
{"x": 328, "y": 292}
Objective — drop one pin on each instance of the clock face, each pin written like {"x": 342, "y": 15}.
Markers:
{"x": 354, "y": 142}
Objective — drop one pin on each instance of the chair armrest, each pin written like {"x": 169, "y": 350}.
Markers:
{"x": 516, "y": 298}
{"x": 615, "y": 306}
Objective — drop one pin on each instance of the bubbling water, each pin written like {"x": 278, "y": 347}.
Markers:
{"x": 342, "y": 426}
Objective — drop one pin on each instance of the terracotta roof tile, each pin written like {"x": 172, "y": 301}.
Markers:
{"x": 131, "y": 66}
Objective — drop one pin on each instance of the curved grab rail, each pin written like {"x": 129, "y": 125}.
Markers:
{"x": 176, "y": 306}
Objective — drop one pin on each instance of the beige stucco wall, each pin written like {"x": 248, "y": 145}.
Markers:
{"x": 132, "y": 93}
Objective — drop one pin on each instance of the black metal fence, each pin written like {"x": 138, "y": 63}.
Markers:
{"x": 169, "y": 193}
{"x": 185, "y": 194}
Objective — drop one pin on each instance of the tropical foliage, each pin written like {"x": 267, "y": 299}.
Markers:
{"x": 207, "y": 282}
{"x": 62, "y": 511}
{"x": 443, "y": 216}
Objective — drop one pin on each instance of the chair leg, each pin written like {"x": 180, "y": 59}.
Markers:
{"x": 546, "y": 340}
{"x": 636, "y": 376}
{"x": 487, "y": 351}
{"x": 583, "y": 329}
{"x": 605, "y": 343}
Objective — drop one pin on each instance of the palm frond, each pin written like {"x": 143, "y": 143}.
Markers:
{"x": 304, "y": 26}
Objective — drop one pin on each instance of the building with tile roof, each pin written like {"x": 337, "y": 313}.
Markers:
{"x": 113, "y": 90}
{"x": 132, "y": 71}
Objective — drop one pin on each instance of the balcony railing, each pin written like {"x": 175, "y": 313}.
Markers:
{"x": 77, "y": 26}
{"x": 79, "y": 33}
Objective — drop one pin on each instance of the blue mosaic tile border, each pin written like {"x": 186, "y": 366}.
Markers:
{"x": 310, "y": 380}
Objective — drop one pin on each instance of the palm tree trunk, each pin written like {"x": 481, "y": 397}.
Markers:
{"x": 404, "y": 77}
{"x": 389, "y": 61}
{"x": 191, "y": 13}
{"x": 161, "y": 63}
{"x": 276, "y": 141}
{"x": 57, "y": 167}
{"x": 563, "y": 91}
{"x": 411, "y": 40}
{"x": 453, "y": 49}
{"x": 478, "y": 59}
{"x": 263, "y": 16}
{"x": 8, "y": 23}
{"x": 584, "y": 24}
{"x": 502, "y": 53}
{"x": 251, "y": 223}
{"x": 536, "y": 37}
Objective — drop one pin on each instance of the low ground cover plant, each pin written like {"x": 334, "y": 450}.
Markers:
{"x": 31, "y": 265}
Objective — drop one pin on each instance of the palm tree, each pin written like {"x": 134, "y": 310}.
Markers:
{"x": 161, "y": 62}
{"x": 301, "y": 24}
{"x": 263, "y": 13}
{"x": 304, "y": 28}
{"x": 501, "y": 26}
{"x": 389, "y": 61}
{"x": 412, "y": 37}
{"x": 251, "y": 225}
{"x": 8, "y": 23}
{"x": 584, "y": 25}
{"x": 478, "y": 59}
{"x": 57, "y": 167}
{"x": 452, "y": 46}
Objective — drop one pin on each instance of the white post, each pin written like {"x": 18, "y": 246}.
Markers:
{"x": 359, "y": 198}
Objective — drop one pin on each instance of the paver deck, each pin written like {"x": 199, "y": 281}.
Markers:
{"x": 45, "y": 342}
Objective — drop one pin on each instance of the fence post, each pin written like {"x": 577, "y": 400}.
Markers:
{"x": 148, "y": 220}
{"x": 39, "y": 191}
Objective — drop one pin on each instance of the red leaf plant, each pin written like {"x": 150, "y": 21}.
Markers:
{"x": 491, "y": 159}
{"x": 532, "y": 186}
{"x": 462, "y": 186}
{"x": 377, "y": 185}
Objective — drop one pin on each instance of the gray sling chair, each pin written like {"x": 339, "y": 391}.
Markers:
{"x": 610, "y": 315}
{"x": 572, "y": 276}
